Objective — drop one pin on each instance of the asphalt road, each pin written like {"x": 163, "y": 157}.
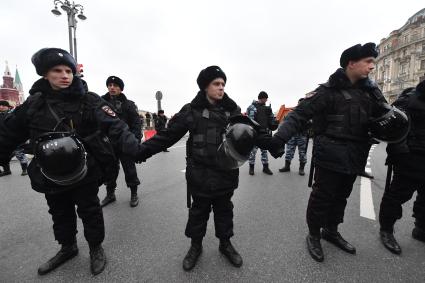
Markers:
{"x": 147, "y": 243}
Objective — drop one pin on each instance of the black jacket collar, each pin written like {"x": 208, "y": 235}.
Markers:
{"x": 200, "y": 101}
{"x": 120, "y": 97}
{"x": 74, "y": 91}
{"x": 340, "y": 80}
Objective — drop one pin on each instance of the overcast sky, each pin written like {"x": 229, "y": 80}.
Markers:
{"x": 282, "y": 47}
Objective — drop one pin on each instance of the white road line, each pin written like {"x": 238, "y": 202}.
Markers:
{"x": 366, "y": 201}
{"x": 183, "y": 171}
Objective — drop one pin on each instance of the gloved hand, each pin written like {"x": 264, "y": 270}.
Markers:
{"x": 143, "y": 154}
{"x": 273, "y": 144}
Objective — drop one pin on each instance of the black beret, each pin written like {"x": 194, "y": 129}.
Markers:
{"x": 115, "y": 80}
{"x": 357, "y": 52}
{"x": 262, "y": 94}
{"x": 160, "y": 112}
{"x": 5, "y": 103}
{"x": 209, "y": 74}
{"x": 46, "y": 58}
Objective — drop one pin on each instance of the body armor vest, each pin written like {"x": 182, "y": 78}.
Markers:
{"x": 349, "y": 118}
{"x": 207, "y": 135}
{"x": 262, "y": 116}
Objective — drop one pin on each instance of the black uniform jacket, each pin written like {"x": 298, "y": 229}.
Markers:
{"x": 341, "y": 112}
{"x": 85, "y": 112}
{"x": 127, "y": 111}
{"x": 204, "y": 177}
{"x": 408, "y": 156}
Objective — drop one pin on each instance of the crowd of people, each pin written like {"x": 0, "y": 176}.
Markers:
{"x": 63, "y": 120}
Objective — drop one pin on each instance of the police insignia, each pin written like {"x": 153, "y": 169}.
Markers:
{"x": 310, "y": 94}
{"x": 109, "y": 111}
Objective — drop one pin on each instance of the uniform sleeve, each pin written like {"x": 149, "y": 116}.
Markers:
{"x": 177, "y": 128}
{"x": 136, "y": 123}
{"x": 296, "y": 121}
{"x": 250, "y": 112}
{"x": 13, "y": 131}
{"x": 116, "y": 129}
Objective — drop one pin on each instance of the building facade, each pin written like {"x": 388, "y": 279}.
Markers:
{"x": 12, "y": 90}
{"x": 401, "y": 60}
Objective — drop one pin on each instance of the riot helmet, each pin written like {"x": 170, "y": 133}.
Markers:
{"x": 391, "y": 127}
{"x": 61, "y": 157}
{"x": 238, "y": 142}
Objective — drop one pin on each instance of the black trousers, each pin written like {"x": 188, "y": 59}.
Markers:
{"x": 400, "y": 191}
{"x": 199, "y": 214}
{"x": 130, "y": 173}
{"x": 62, "y": 209}
{"x": 328, "y": 199}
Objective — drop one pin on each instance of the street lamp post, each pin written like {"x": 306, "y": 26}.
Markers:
{"x": 71, "y": 10}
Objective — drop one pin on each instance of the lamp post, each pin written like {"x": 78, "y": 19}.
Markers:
{"x": 71, "y": 10}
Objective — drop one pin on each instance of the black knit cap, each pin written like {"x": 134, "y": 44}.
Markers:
{"x": 115, "y": 80}
{"x": 357, "y": 52}
{"x": 209, "y": 74}
{"x": 262, "y": 94}
{"x": 46, "y": 58}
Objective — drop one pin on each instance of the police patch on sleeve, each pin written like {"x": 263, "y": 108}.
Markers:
{"x": 109, "y": 111}
{"x": 310, "y": 94}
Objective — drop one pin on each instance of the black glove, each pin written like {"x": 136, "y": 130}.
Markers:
{"x": 143, "y": 154}
{"x": 273, "y": 144}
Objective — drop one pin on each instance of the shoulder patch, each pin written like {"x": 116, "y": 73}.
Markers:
{"x": 310, "y": 94}
{"x": 108, "y": 111}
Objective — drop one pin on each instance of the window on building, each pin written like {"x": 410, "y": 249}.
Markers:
{"x": 405, "y": 38}
{"x": 404, "y": 68}
{"x": 422, "y": 64}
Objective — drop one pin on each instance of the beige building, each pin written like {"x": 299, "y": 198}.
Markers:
{"x": 401, "y": 60}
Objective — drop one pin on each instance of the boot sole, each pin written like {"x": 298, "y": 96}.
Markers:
{"x": 109, "y": 202}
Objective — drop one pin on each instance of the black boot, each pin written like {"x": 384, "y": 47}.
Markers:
{"x": 251, "y": 169}
{"x": 315, "y": 248}
{"x": 230, "y": 252}
{"x": 6, "y": 171}
{"x": 97, "y": 259}
{"x": 287, "y": 167}
{"x": 64, "y": 254}
{"x": 418, "y": 234}
{"x": 110, "y": 197}
{"x": 192, "y": 255}
{"x": 134, "y": 201}
{"x": 24, "y": 169}
{"x": 266, "y": 169}
{"x": 387, "y": 238}
{"x": 331, "y": 235}
{"x": 301, "y": 171}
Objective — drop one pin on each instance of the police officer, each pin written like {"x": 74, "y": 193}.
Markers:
{"x": 300, "y": 140}
{"x": 59, "y": 117}
{"x": 340, "y": 109}
{"x": 407, "y": 159}
{"x": 263, "y": 115}
{"x": 160, "y": 123}
{"x": 209, "y": 185}
{"x": 126, "y": 111}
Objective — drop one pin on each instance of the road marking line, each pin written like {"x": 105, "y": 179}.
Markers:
{"x": 183, "y": 171}
{"x": 366, "y": 201}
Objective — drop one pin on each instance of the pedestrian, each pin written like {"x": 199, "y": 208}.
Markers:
{"x": 340, "y": 109}
{"x": 407, "y": 160}
{"x": 161, "y": 123}
{"x": 263, "y": 115}
{"x": 68, "y": 127}
{"x": 209, "y": 185}
{"x": 299, "y": 140}
{"x": 126, "y": 110}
